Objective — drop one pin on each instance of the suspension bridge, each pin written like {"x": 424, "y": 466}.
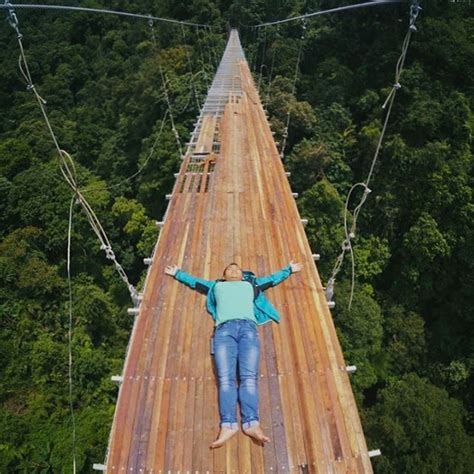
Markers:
{"x": 232, "y": 201}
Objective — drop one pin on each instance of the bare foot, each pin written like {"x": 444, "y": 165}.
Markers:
{"x": 256, "y": 433}
{"x": 224, "y": 435}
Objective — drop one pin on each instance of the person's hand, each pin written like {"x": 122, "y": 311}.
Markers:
{"x": 171, "y": 269}
{"x": 296, "y": 267}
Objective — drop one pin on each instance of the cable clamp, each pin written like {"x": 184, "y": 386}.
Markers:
{"x": 397, "y": 86}
{"x": 329, "y": 290}
{"x": 367, "y": 190}
{"x": 346, "y": 245}
{"x": 12, "y": 18}
{"x": 134, "y": 295}
{"x": 414, "y": 12}
{"x": 351, "y": 235}
{"x": 109, "y": 253}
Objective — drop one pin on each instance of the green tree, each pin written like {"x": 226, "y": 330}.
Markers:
{"x": 419, "y": 429}
{"x": 404, "y": 340}
{"x": 323, "y": 207}
{"x": 360, "y": 332}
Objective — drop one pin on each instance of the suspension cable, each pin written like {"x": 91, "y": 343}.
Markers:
{"x": 165, "y": 91}
{"x": 372, "y": 3}
{"x": 189, "y": 99}
{"x": 66, "y": 170}
{"x": 8, "y": 5}
{"x": 351, "y": 233}
{"x": 270, "y": 79}
{"x": 203, "y": 66}
{"x": 212, "y": 53}
{"x": 67, "y": 166}
{"x": 157, "y": 138}
{"x": 140, "y": 169}
{"x": 262, "y": 64}
{"x": 293, "y": 89}
{"x": 70, "y": 379}
{"x": 188, "y": 59}
{"x": 255, "y": 56}
{"x": 173, "y": 127}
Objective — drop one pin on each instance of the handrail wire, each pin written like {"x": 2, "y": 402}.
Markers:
{"x": 202, "y": 58}
{"x": 188, "y": 59}
{"x": 98, "y": 10}
{"x": 293, "y": 89}
{"x": 262, "y": 64}
{"x": 165, "y": 90}
{"x": 373, "y": 3}
{"x": 350, "y": 234}
{"x": 270, "y": 77}
{"x": 71, "y": 405}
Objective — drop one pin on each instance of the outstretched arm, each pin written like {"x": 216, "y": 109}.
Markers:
{"x": 198, "y": 284}
{"x": 279, "y": 276}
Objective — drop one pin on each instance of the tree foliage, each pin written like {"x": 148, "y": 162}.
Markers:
{"x": 410, "y": 326}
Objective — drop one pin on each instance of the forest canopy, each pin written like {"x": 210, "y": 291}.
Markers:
{"x": 410, "y": 327}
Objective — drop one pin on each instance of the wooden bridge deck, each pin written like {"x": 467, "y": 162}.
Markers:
{"x": 234, "y": 205}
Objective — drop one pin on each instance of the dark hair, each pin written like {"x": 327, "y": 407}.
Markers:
{"x": 230, "y": 264}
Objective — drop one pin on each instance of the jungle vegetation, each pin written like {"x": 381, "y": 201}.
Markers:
{"x": 410, "y": 327}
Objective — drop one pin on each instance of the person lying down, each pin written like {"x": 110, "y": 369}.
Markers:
{"x": 238, "y": 305}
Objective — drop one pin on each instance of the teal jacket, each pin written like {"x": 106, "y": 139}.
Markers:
{"x": 264, "y": 310}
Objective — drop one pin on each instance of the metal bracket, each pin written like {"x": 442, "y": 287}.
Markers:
{"x": 374, "y": 452}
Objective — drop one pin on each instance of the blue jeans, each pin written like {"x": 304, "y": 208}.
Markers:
{"x": 237, "y": 345}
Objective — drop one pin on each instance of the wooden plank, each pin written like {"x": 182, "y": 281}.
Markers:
{"x": 202, "y": 354}
{"x": 141, "y": 435}
{"x": 181, "y": 352}
{"x": 304, "y": 306}
{"x": 132, "y": 373}
{"x": 205, "y": 139}
{"x": 163, "y": 370}
{"x": 214, "y": 458}
{"x": 274, "y": 262}
{"x": 157, "y": 369}
{"x": 245, "y": 250}
{"x": 271, "y": 386}
{"x": 192, "y": 345}
{"x": 262, "y": 458}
